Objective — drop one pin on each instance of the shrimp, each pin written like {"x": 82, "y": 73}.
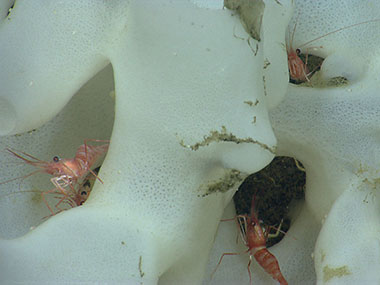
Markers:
{"x": 66, "y": 172}
{"x": 73, "y": 198}
{"x": 298, "y": 69}
{"x": 255, "y": 237}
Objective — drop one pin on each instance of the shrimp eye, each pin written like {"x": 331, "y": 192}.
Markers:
{"x": 298, "y": 51}
{"x": 83, "y": 193}
{"x": 56, "y": 158}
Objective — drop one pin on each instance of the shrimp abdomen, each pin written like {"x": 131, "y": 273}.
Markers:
{"x": 270, "y": 264}
{"x": 87, "y": 155}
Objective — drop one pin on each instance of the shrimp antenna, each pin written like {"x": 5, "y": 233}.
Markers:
{"x": 22, "y": 177}
{"x": 19, "y": 192}
{"x": 293, "y": 32}
{"x": 35, "y": 161}
{"x": 340, "y": 29}
{"x": 24, "y": 153}
{"x": 253, "y": 203}
{"x": 96, "y": 176}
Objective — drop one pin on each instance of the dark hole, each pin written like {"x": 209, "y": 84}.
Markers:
{"x": 275, "y": 187}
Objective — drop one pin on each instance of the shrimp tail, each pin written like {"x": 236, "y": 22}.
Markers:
{"x": 270, "y": 264}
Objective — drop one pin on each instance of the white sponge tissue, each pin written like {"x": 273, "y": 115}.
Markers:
{"x": 196, "y": 105}
{"x": 183, "y": 128}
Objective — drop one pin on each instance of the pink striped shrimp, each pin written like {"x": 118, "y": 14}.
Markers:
{"x": 255, "y": 237}
{"x": 298, "y": 69}
{"x": 66, "y": 172}
{"x": 74, "y": 197}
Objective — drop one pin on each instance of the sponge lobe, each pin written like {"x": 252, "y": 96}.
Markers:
{"x": 59, "y": 47}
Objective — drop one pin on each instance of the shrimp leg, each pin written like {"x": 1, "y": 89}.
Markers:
{"x": 223, "y": 255}
{"x": 45, "y": 201}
